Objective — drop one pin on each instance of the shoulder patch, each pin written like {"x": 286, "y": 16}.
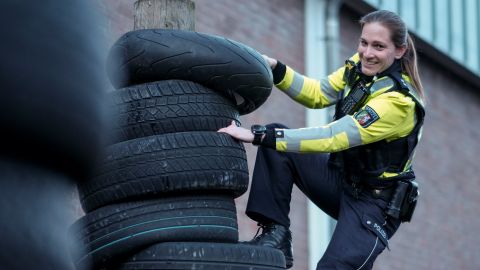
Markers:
{"x": 366, "y": 116}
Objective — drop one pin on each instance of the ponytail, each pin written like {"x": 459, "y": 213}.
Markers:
{"x": 409, "y": 65}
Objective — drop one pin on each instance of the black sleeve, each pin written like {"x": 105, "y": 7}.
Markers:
{"x": 279, "y": 72}
{"x": 269, "y": 139}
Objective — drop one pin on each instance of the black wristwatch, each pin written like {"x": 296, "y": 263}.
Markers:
{"x": 258, "y": 131}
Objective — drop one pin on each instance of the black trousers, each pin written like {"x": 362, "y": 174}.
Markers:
{"x": 362, "y": 229}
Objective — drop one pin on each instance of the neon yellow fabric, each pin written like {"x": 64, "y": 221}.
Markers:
{"x": 336, "y": 136}
{"x": 396, "y": 113}
{"x": 313, "y": 93}
{"x": 397, "y": 118}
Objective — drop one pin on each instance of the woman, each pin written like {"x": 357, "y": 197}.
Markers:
{"x": 379, "y": 114}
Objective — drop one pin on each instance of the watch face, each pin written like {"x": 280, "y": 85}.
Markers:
{"x": 258, "y": 129}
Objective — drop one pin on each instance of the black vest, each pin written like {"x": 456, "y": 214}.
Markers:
{"x": 366, "y": 163}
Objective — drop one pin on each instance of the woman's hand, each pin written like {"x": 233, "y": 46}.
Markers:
{"x": 271, "y": 61}
{"x": 239, "y": 133}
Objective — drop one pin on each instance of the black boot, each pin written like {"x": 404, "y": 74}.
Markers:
{"x": 275, "y": 236}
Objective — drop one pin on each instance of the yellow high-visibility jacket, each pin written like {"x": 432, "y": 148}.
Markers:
{"x": 391, "y": 114}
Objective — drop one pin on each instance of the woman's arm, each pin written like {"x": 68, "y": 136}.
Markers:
{"x": 309, "y": 92}
{"x": 389, "y": 116}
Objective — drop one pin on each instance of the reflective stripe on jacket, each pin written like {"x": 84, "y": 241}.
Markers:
{"x": 395, "y": 111}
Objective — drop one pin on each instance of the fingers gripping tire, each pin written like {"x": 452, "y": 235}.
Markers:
{"x": 168, "y": 107}
{"x": 218, "y": 63}
{"x": 110, "y": 233}
{"x": 177, "y": 163}
{"x": 211, "y": 256}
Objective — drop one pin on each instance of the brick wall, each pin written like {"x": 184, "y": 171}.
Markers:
{"x": 443, "y": 233}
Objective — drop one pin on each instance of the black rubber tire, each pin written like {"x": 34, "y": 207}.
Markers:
{"x": 177, "y": 163}
{"x": 34, "y": 217}
{"x": 218, "y": 63}
{"x": 168, "y": 107}
{"x": 53, "y": 83}
{"x": 115, "y": 231}
{"x": 211, "y": 256}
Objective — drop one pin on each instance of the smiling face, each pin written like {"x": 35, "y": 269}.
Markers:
{"x": 376, "y": 49}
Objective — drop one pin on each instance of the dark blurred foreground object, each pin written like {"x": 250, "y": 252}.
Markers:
{"x": 51, "y": 102}
{"x": 52, "y": 83}
{"x": 34, "y": 217}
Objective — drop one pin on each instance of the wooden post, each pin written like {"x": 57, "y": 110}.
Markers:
{"x": 166, "y": 14}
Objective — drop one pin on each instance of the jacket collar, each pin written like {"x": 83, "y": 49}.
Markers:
{"x": 395, "y": 67}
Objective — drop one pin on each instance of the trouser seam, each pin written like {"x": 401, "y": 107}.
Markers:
{"x": 370, "y": 255}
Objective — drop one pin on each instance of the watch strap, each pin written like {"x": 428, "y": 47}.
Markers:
{"x": 257, "y": 138}
{"x": 269, "y": 140}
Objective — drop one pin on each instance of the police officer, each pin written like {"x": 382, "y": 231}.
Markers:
{"x": 358, "y": 159}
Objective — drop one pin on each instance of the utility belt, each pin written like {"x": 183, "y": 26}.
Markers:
{"x": 401, "y": 197}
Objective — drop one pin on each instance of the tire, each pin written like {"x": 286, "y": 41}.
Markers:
{"x": 211, "y": 256}
{"x": 175, "y": 163}
{"x": 34, "y": 217}
{"x": 115, "y": 231}
{"x": 52, "y": 84}
{"x": 218, "y": 63}
{"x": 168, "y": 107}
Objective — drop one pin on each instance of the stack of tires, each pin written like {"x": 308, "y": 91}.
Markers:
{"x": 163, "y": 196}
{"x": 51, "y": 103}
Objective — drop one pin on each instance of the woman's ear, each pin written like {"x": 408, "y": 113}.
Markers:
{"x": 400, "y": 51}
